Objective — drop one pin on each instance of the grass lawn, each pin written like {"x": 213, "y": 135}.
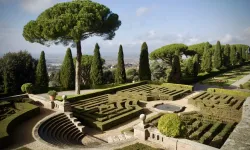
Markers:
{"x": 138, "y": 146}
{"x": 246, "y": 85}
{"x": 226, "y": 79}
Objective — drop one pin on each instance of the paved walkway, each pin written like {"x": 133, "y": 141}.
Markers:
{"x": 241, "y": 81}
{"x": 45, "y": 95}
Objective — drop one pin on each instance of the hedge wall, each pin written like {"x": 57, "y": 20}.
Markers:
{"x": 9, "y": 123}
{"x": 105, "y": 91}
{"x": 235, "y": 93}
{"x": 178, "y": 86}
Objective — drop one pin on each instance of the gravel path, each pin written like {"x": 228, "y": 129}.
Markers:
{"x": 241, "y": 81}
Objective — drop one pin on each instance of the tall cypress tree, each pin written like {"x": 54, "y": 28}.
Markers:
{"x": 96, "y": 72}
{"x": 196, "y": 65}
{"x": 120, "y": 76}
{"x": 67, "y": 71}
{"x": 217, "y": 56}
{"x": 233, "y": 55}
{"x": 226, "y": 54}
{"x": 175, "y": 74}
{"x": 144, "y": 70}
{"x": 239, "y": 56}
{"x": 243, "y": 54}
{"x": 42, "y": 79}
{"x": 206, "y": 63}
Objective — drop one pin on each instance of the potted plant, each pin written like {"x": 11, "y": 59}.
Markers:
{"x": 27, "y": 88}
{"x": 52, "y": 95}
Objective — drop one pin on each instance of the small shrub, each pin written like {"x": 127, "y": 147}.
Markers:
{"x": 52, "y": 93}
{"x": 27, "y": 87}
{"x": 171, "y": 125}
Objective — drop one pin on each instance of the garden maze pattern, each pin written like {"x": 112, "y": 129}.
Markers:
{"x": 224, "y": 107}
{"x": 108, "y": 110}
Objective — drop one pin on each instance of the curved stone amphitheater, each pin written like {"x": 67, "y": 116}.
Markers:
{"x": 60, "y": 130}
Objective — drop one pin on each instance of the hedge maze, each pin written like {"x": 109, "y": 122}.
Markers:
{"x": 224, "y": 107}
{"x": 6, "y": 109}
{"x": 108, "y": 110}
{"x": 206, "y": 131}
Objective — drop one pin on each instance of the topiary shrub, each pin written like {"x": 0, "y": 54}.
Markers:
{"x": 171, "y": 125}
{"x": 52, "y": 93}
{"x": 27, "y": 87}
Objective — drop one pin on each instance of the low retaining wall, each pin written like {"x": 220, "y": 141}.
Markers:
{"x": 174, "y": 143}
{"x": 240, "y": 137}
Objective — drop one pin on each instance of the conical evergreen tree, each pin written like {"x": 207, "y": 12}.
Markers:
{"x": 243, "y": 54}
{"x": 206, "y": 63}
{"x": 175, "y": 74}
{"x": 233, "y": 55}
{"x": 217, "y": 56}
{"x": 196, "y": 65}
{"x": 42, "y": 79}
{"x": 67, "y": 71}
{"x": 144, "y": 70}
{"x": 120, "y": 76}
{"x": 239, "y": 56}
{"x": 96, "y": 72}
{"x": 226, "y": 54}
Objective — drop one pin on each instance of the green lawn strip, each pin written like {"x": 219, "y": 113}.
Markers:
{"x": 138, "y": 146}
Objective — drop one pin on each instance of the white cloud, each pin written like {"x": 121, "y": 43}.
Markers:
{"x": 228, "y": 38}
{"x": 141, "y": 11}
{"x": 37, "y": 6}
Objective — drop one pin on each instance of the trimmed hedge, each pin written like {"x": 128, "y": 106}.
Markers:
{"x": 178, "y": 86}
{"x": 106, "y": 91}
{"x": 229, "y": 92}
{"x": 9, "y": 123}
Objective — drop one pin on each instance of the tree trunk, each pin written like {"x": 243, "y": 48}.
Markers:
{"x": 78, "y": 66}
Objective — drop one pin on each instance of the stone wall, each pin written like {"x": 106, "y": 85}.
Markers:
{"x": 174, "y": 143}
{"x": 240, "y": 137}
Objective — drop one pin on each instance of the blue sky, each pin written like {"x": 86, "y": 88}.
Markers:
{"x": 158, "y": 22}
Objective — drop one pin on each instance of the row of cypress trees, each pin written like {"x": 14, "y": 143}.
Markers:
{"x": 67, "y": 71}
{"x": 222, "y": 57}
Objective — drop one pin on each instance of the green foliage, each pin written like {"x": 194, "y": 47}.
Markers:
{"x": 175, "y": 74}
{"x": 42, "y": 79}
{"x": 226, "y": 54}
{"x": 108, "y": 77}
{"x": 217, "y": 56}
{"x": 120, "y": 76}
{"x": 131, "y": 73}
{"x": 158, "y": 70}
{"x": 171, "y": 125}
{"x": 144, "y": 70}
{"x": 178, "y": 86}
{"x": 166, "y": 53}
{"x": 67, "y": 71}
{"x": 233, "y": 56}
{"x": 196, "y": 65}
{"x": 17, "y": 69}
{"x": 199, "y": 48}
{"x": 54, "y": 79}
{"x": 190, "y": 67}
{"x": 71, "y": 22}
{"x": 52, "y": 93}
{"x": 206, "y": 62}
{"x": 229, "y": 92}
{"x": 86, "y": 62}
{"x": 27, "y": 87}
{"x": 96, "y": 72}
